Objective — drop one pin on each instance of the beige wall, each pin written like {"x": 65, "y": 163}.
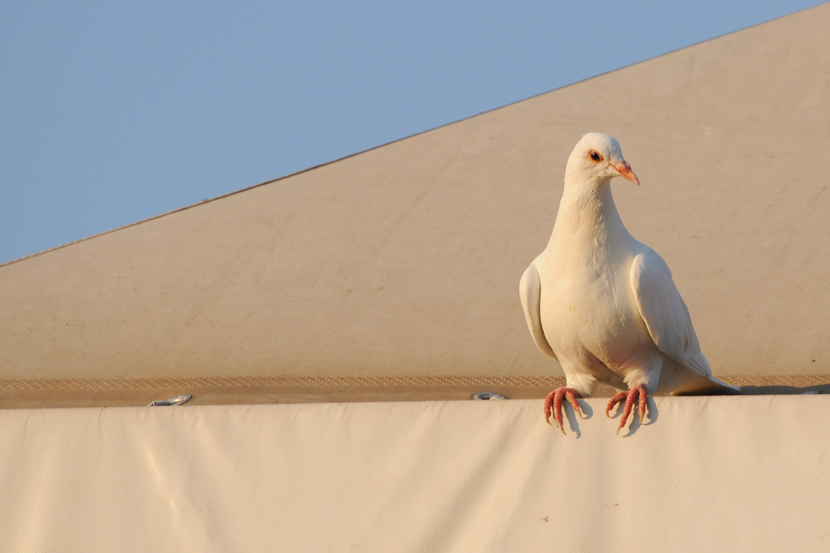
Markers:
{"x": 406, "y": 259}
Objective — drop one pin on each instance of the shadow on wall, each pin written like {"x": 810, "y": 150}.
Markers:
{"x": 783, "y": 390}
{"x": 767, "y": 391}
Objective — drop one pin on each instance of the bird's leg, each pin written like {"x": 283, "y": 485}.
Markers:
{"x": 555, "y": 399}
{"x": 638, "y": 392}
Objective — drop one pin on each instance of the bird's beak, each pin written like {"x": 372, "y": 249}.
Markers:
{"x": 624, "y": 171}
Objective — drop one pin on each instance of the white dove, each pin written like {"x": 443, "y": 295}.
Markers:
{"x": 603, "y": 304}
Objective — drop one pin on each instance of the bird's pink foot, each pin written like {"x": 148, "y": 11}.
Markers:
{"x": 554, "y": 400}
{"x": 639, "y": 393}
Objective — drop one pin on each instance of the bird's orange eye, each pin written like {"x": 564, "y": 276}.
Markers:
{"x": 594, "y": 156}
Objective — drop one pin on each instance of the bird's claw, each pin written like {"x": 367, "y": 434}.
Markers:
{"x": 639, "y": 393}
{"x": 553, "y": 405}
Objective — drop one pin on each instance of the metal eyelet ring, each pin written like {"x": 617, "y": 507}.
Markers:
{"x": 488, "y": 395}
{"x": 178, "y": 400}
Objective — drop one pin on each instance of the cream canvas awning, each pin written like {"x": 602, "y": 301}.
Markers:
{"x": 711, "y": 474}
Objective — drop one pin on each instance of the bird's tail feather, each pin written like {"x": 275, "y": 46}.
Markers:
{"x": 682, "y": 382}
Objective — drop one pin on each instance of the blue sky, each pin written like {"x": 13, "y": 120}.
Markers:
{"x": 112, "y": 112}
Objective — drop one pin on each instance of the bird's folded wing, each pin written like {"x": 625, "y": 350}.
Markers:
{"x": 665, "y": 314}
{"x": 530, "y": 291}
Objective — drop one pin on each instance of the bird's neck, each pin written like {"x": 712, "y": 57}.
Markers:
{"x": 588, "y": 216}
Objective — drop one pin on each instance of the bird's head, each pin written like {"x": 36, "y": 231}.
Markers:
{"x": 597, "y": 158}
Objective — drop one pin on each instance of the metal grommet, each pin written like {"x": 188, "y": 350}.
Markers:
{"x": 178, "y": 400}
{"x": 488, "y": 395}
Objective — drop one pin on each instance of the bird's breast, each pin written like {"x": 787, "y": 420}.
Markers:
{"x": 589, "y": 311}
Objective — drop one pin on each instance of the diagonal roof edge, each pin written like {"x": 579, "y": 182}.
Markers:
{"x": 191, "y": 206}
